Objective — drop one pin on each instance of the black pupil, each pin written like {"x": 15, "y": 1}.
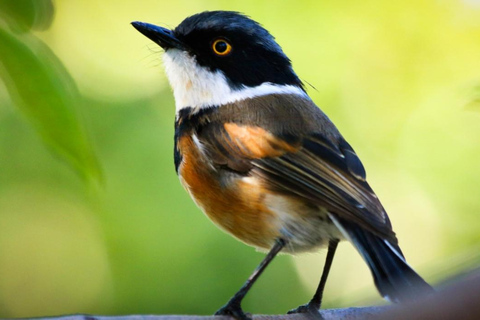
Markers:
{"x": 221, "y": 46}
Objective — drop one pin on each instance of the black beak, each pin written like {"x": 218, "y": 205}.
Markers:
{"x": 161, "y": 36}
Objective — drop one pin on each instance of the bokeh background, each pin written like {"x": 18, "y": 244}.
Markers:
{"x": 92, "y": 217}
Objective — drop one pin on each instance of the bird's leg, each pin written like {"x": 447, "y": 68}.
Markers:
{"x": 314, "y": 304}
{"x": 233, "y": 306}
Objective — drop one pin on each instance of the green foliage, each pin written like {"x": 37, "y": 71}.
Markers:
{"x": 399, "y": 79}
{"x": 24, "y": 15}
{"x": 43, "y": 89}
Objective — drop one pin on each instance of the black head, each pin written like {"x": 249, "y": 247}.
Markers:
{"x": 241, "y": 48}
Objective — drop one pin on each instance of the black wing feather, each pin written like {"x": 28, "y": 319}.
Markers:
{"x": 353, "y": 163}
{"x": 325, "y": 175}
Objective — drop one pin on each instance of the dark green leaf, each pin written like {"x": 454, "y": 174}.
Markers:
{"x": 24, "y": 15}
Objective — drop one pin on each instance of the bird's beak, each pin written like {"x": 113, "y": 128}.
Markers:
{"x": 161, "y": 36}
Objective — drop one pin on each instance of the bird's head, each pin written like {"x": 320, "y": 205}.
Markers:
{"x": 218, "y": 57}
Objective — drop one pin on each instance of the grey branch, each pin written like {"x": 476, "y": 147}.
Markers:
{"x": 459, "y": 300}
{"x": 332, "y": 314}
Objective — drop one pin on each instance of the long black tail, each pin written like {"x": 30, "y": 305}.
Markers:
{"x": 394, "y": 278}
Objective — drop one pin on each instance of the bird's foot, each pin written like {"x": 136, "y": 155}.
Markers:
{"x": 233, "y": 309}
{"x": 308, "y": 308}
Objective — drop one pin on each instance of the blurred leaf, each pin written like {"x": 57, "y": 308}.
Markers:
{"x": 27, "y": 14}
{"x": 474, "y": 103}
{"x": 41, "y": 87}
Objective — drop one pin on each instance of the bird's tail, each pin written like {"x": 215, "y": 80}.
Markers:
{"x": 394, "y": 278}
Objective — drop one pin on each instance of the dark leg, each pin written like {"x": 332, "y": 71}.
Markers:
{"x": 314, "y": 304}
{"x": 233, "y": 307}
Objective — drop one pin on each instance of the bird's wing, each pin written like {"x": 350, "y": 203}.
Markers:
{"x": 313, "y": 167}
{"x": 331, "y": 176}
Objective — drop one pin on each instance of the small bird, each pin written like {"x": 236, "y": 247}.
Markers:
{"x": 263, "y": 162}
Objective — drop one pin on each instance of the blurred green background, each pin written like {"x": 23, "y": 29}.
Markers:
{"x": 92, "y": 217}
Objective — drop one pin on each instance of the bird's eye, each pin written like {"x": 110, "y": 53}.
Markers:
{"x": 221, "y": 47}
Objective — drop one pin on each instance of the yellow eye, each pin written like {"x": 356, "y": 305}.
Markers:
{"x": 221, "y": 47}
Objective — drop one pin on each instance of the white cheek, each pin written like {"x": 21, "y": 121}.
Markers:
{"x": 197, "y": 87}
{"x": 193, "y": 86}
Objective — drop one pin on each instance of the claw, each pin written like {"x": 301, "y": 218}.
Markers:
{"x": 233, "y": 310}
{"x": 307, "y": 309}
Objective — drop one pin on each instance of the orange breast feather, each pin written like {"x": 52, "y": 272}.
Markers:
{"x": 238, "y": 206}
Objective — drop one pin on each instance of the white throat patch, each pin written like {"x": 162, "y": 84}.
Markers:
{"x": 196, "y": 87}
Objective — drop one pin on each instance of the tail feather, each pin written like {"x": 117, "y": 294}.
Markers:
{"x": 394, "y": 278}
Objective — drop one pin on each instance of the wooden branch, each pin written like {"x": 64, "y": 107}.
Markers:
{"x": 459, "y": 300}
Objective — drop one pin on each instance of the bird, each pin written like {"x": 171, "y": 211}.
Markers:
{"x": 263, "y": 162}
